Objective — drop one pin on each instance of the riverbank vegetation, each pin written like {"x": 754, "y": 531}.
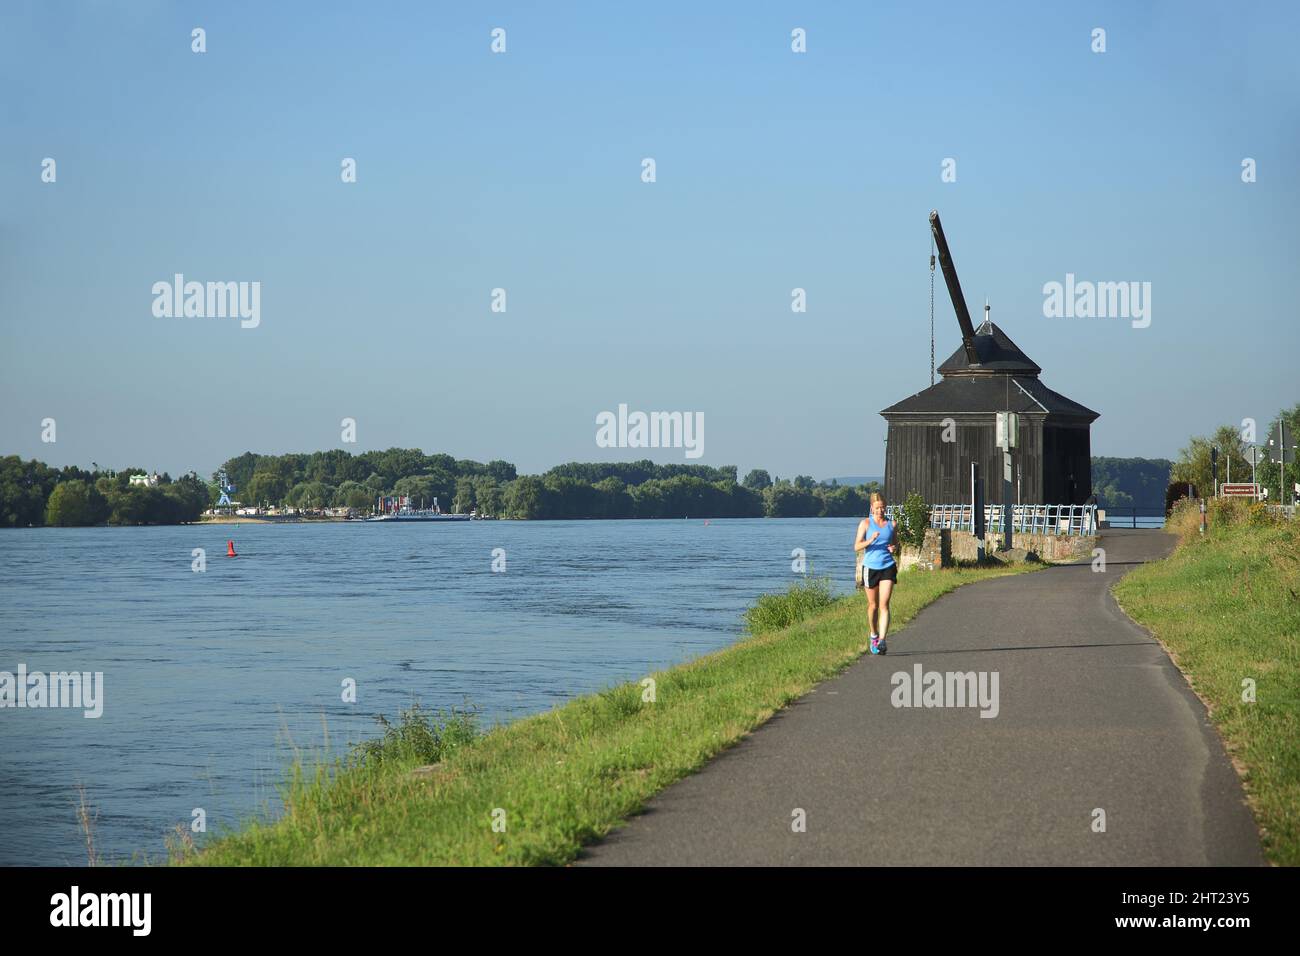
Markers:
{"x": 534, "y": 791}
{"x": 1131, "y": 482}
{"x": 638, "y": 489}
{"x": 1195, "y": 463}
{"x": 1226, "y": 606}
{"x": 34, "y": 494}
{"x": 576, "y": 490}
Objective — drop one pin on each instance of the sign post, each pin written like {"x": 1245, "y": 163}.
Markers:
{"x": 1008, "y": 432}
{"x": 1285, "y": 455}
{"x": 1239, "y": 490}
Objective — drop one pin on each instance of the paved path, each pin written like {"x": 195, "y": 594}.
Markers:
{"x": 1092, "y": 714}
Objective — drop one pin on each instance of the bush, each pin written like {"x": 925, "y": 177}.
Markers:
{"x": 1185, "y": 518}
{"x": 418, "y": 736}
{"x": 774, "y": 611}
{"x": 916, "y": 520}
{"x": 1176, "y": 491}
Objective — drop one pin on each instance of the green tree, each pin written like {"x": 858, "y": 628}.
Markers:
{"x": 758, "y": 480}
{"x": 266, "y": 487}
{"x": 24, "y": 487}
{"x": 785, "y": 500}
{"x": 240, "y": 471}
{"x": 487, "y": 495}
{"x": 188, "y": 497}
{"x": 75, "y": 504}
{"x": 1268, "y": 469}
{"x": 310, "y": 494}
{"x": 418, "y": 488}
{"x": 612, "y": 499}
{"x": 1194, "y": 461}
{"x": 354, "y": 495}
{"x": 464, "y": 501}
{"x": 524, "y": 497}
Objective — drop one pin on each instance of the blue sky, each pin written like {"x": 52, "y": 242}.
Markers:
{"x": 522, "y": 171}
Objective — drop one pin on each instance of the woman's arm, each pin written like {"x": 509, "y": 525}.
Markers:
{"x": 893, "y": 540}
{"x": 861, "y": 543}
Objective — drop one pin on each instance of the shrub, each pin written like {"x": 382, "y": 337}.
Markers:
{"x": 1178, "y": 490}
{"x": 418, "y": 736}
{"x": 771, "y": 612}
{"x": 916, "y": 520}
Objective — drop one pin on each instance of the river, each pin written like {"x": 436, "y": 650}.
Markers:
{"x": 211, "y": 678}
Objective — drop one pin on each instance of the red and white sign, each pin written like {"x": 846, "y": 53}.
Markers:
{"x": 1239, "y": 490}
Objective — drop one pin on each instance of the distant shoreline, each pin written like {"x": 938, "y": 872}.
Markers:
{"x": 293, "y": 519}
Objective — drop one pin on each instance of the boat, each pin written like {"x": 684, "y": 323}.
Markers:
{"x": 399, "y": 509}
{"x": 413, "y": 514}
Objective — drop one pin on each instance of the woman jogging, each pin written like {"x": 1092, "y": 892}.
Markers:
{"x": 879, "y": 539}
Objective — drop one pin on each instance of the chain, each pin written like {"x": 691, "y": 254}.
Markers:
{"x": 932, "y": 308}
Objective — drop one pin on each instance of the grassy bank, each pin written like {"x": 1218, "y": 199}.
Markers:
{"x": 1227, "y": 609}
{"x": 562, "y": 778}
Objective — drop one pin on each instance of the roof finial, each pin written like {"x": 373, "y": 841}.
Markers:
{"x": 986, "y": 310}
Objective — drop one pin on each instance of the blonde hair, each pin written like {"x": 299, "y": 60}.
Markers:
{"x": 877, "y": 496}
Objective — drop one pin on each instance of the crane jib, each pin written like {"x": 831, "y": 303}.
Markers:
{"x": 954, "y": 289}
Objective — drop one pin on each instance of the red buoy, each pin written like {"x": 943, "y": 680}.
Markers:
{"x": 230, "y": 550}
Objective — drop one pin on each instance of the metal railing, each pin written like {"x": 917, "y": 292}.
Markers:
{"x": 1130, "y": 516}
{"x": 1025, "y": 519}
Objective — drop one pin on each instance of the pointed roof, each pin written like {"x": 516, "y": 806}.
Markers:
{"x": 988, "y": 394}
{"x": 997, "y": 353}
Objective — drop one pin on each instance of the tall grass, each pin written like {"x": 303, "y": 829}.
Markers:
{"x": 1226, "y": 606}
{"x": 771, "y": 612}
{"x": 418, "y": 736}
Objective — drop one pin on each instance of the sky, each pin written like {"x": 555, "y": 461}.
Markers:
{"x": 523, "y": 170}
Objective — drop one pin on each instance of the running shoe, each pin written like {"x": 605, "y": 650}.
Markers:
{"x": 880, "y": 645}
{"x": 875, "y": 644}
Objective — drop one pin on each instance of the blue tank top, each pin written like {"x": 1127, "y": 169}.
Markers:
{"x": 877, "y": 553}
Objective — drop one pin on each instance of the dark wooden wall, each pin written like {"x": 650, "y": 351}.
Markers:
{"x": 917, "y": 459}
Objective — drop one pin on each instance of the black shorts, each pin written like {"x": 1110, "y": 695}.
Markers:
{"x": 876, "y": 575}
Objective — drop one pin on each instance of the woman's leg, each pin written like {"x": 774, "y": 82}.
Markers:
{"x": 886, "y": 591}
{"x": 873, "y": 599}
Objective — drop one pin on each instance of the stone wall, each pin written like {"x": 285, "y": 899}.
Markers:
{"x": 943, "y": 546}
{"x": 1048, "y": 547}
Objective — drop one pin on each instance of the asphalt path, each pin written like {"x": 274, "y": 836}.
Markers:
{"x": 1091, "y": 715}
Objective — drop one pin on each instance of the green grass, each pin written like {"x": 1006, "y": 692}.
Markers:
{"x": 803, "y": 599}
{"x": 565, "y": 777}
{"x": 1227, "y": 608}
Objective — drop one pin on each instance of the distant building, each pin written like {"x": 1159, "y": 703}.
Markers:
{"x": 1053, "y": 462}
{"x": 145, "y": 481}
{"x": 937, "y": 434}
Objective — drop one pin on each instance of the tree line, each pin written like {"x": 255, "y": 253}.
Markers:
{"x": 637, "y": 489}
{"x": 1195, "y": 464}
{"x": 1131, "y": 482}
{"x": 34, "y": 494}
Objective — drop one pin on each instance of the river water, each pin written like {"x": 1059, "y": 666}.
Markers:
{"x": 211, "y": 678}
